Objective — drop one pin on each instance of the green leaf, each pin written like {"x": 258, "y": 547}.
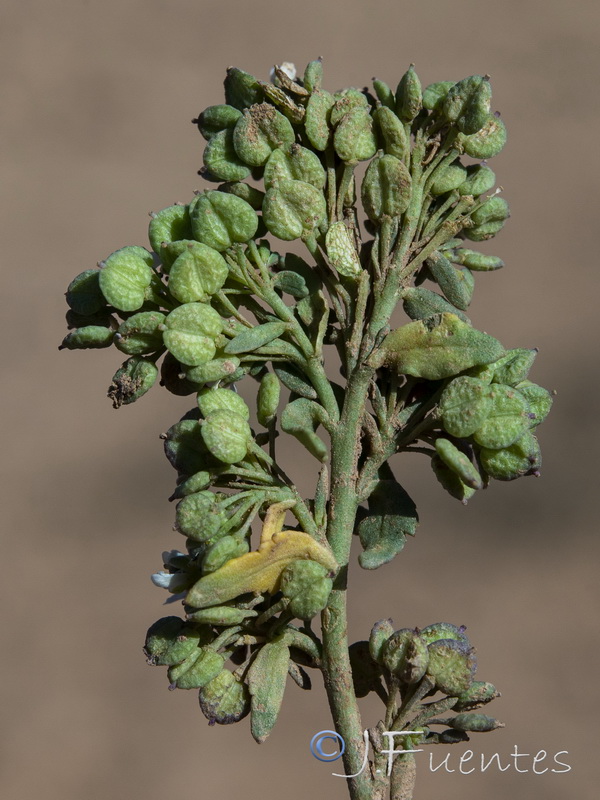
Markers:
{"x": 266, "y": 681}
{"x": 253, "y": 338}
{"x": 301, "y": 418}
{"x": 392, "y": 516}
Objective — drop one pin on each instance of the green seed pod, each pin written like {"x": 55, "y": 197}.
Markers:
{"x": 140, "y": 333}
{"x": 347, "y": 100}
{"x": 478, "y": 695}
{"x": 380, "y": 633}
{"x": 452, "y": 666}
{"x": 254, "y": 197}
{"x": 393, "y": 132}
{"x": 225, "y": 699}
{"x": 539, "y": 399}
{"x": 125, "y": 276}
{"x": 467, "y": 104}
{"x": 266, "y": 681}
{"x": 386, "y": 188}
{"x": 366, "y": 673}
{"x": 307, "y": 585}
{"x": 317, "y": 120}
{"x": 260, "y": 131}
{"x": 313, "y": 75}
{"x": 480, "y": 179}
{"x": 384, "y": 94}
{"x": 454, "y": 283}
{"x": 227, "y": 435}
{"x": 267, "y": 402}
{"x": 223, "y": 551}
{"x": 447, "y": 178}
{"x": 294, "y": 163}
{"x": 172, "y": 377}
{"x": 450, "y": 481}
{"x": 421, "y": 303}
{"x": 200, "y": 516}
{"x": 216, "y": 119}
{"x": 478, "y": 262}
{"x": 197, "y": 274}
{"x": 293, "y": 209}
{"x": 487, "y": 142}
{"x": 136, "y": 377}
{"x": 507, "y": 419}
{"x": 222, "y": 615}
{"x": 210, "y": 400}
{"x": 444, "y": 630}
{"x": 171, "y": 640}
{"x": 185, "y": 448}
{"x": 191, "y": 332}
{"x": 495, "y": 209}
{"x": 103, "y": 319}
{"x": 409, "y": 97}
{"x": 523, "y": 457}
{"x": 481, "y": 233}
{"x": 195, "y": 483}
{"x": 84, "y": 295}
{"x": 354, "y": 139}
{"x": 220, "y": 219}
{"x": 242, "y": 90}
{"x": 218, "y": 369}
{"x": 90, "y": 337}
{"x": 465, "y": 404}
{"x": 204, "y": 669}
{"x": 169, "y": 225}
{"x": 222, "y": 161}
{"x": 252, "y": 338}
{"x": 435, "y": 94}
{"x": 459, "y": 463}
{"x": 474, "y": 722}
{"x": 514, "y": 366}
{"x": 341, "y": 252}
{"x": 405, "y": 655}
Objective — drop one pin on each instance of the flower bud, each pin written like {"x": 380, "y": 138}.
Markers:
{"x": 341, "y": 252}
{"x": 458, "y": 462}
{"x": 225, "y": 699}
{"x": 478, "y": 262}
{"x": 465, "y": 404}
{"x": 452, "y": 665}
{"x": 307, "y": 585}
{"x": 197, "y": 274}
{"x": 202, "y": 669}
{"x": 507, "y": 419}
{"x": 476, "y": 696}
{"x": 487, "y": 142}
{"x": 294, "y": 163}
{"x": 457, "y": 285}
{"x": 220, "y": 219}
{"x": 317, "y": 120}
{"x": 405, "y": 655}
{"x": 467, "y": 103}
{"x": 211, "y": 399}
{"x": 267, "y": 402}
{"x": 84, "y": 295}
{"x": 480, "y": 179}
{"x": 354, "y": 139}
{"x": 191, "y": 332}
{"x": 435, "y": 94}
{"x": 260, "y": 131}
{"x": 242, "y": 90}
{"x": 409, "y": 98}
{"x": 169, "y": 225}
{"x": 222, "y": 551}
{"x": 140, "y": 333}
{"x": 125, "y": 276}
{"x": 392, "y": 130}
{"x": 386, "y": 188}
{"x": 200, "y": 516}
{"x": 380, "y": 633}
{"x": 293, "y": 209}
{"x": 215, "y": 119}
{"x": 221, "y": 159}
{"x": 421, "y": 303}
{"x": 313, "y": 75}
{"x": 132, "y": 380}
{"x": 171, "y": 640}
{"x": 523, "y": 457}
{"x": 227, "y": 435}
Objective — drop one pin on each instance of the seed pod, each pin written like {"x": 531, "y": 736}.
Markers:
{"x": 421, "y": 303}
{"x": 222, "y": 615}
{"x": 313, "y": 75}
{"x": 260, "y": 131}
{"x": 341, "y": 252}
{"x": 495, "y": 209}
{"x": 480, "y": 179}
{"x": 454, "y": 283}
{"x": 487, "y": 142}
{"x": 220, "y": 219}
{"x": 539, "y": 399}
{"x": 479, "y": 262}
{"x": 136, "y": 377}
{"x": 481, "y": 233}
{"x": 84, "y": 295}
{"x": 197, "y": 274}
{"x": 200, "y": 516}
{"x": 380, "y": 633}
{"x": 478, "y": 695}
{"x": 225, "y": 699}
{"x": 435, "y": 94}
{"x": 507, "y": 419}
{"x": 169, "y": 225}
{"x": 444, "y": 630}
{"x": 392, "y": 130}
{"x": 171, "y": 640}
{"x": 366, "y": 673}
{"x": 354, "y": 139}
{"x": 191, "y": 332}
{"x": 242, "y": 90}
{"x": 211, "y": 399}
{"x": 450, "y": 481}
{"x": 185, "y": 448}
{"x": 384, "y": 94}
{"x": 221, "y": 159}
{"x": 409, "y": 98}
{"x": 386, "y": 188}
{"x": 268, "y": 399}
{"x": 447, "y": 178}
{"x": 347, "y": 100}
{"x": 223, "y": 551}
{"x": 254, "y": 197}
{"x": 294, "y": 163}
{"x": 218, "y": 369}
{"x": 205, "y": 667}
{"x": 266, "y": 681}
{"x": 467, "y": 104}
{"x": 279, "y": 98}
{"x": 464, "y": 406}
{"x": 452, "y": 666}
{"x": 293, "y": 209}
{"x": 405, "y": 655}
{"x": 125, "y": 276}
{"x": 173, "y": 378}
{"x": 459, "y": 463}
{"x": 473, "y": 722}
{"x": 87, "y": 338}
{"x": 140, "y": 333}
{"x": 216, "y": 119}
{"x": 514, "y": 366}
{"x": 317, "y": 119}
{"x": 195, "y": 483}
{"x": 252, "y": 338}
{"x": 523, "y": 457}
{"x": 307, "y": 585}
{"x": 227, "y": 435}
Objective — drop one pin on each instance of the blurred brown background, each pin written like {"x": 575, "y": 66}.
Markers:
{"x": 97, "y": 99}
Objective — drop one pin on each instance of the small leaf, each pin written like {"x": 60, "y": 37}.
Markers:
{"x": 253, "y": 338}
{"x": 392, "y": 516}
{"x": 266, "y": 681}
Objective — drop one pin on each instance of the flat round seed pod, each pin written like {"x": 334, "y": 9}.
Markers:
{"x": 185, "y": 448}
{"x": 199, "y": 516}
{"x": 459, "y": 463}
{"x": 169, "y": 225}
{"x": 452, "y": 665}
{"x": 447, "y": 179}
{"x": 405, "y": 655}
{"x": 523, "y": 457}
{"x": 227, "y": 435}
{"x": 317, "y": 121}
{"x": 222, "y": 551}
{"x": 220, "y": 219}
{"x": 354, "y": 139}
{"x": 197, "y": 274}
{"x": 242, "y": 90}
{"x": 443, "y": 630}
{"x": 478, "y": 262}
{"x": 293, "y": 209}
{"x": 514, "y": 366}
{"x": 215, "y": 119}
{"x": 420, "y": 303}
{"x": 210, "y": 400}
{"x": 259, "y": 131}
{"x": 221, "y": 159}
{"x": 487, "y": 142}
{"x": 225, "y": 699}
{"x": 409, "y": 96}
{"x": 218, "y": 369}
{"x": 386, "y": 188}
{"x": 435, "y": 93}
{"x": 539, "y": 399}
{"x": 294, "y": 163}
{"x": 204, "y": 669}
{"x": 380, "y": 633}
{"x": 125, "y": 276}
{"x": 191, "y": 332}
{"x": 480, "y": 179}
{"x": 494, "y": 209}
{"x": 476, "y": 696}
{"x": 507, "y": 419}
{"x": 393, "y": 132}
{"x": 341, "y": 251}
{"x": 171, "y": 640}
{"x": 90, "y": 337}
{"x": 267, "y": 401}
{"x": 307, "y": 585}
{"x": 253, "y": 196}
{"x": 481, "y": 233}
{"x": 84, "y": 295}
{"x": 141, "y": 333}
{"x": 131, "y": 381}
{"x": 464, "y": 406}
